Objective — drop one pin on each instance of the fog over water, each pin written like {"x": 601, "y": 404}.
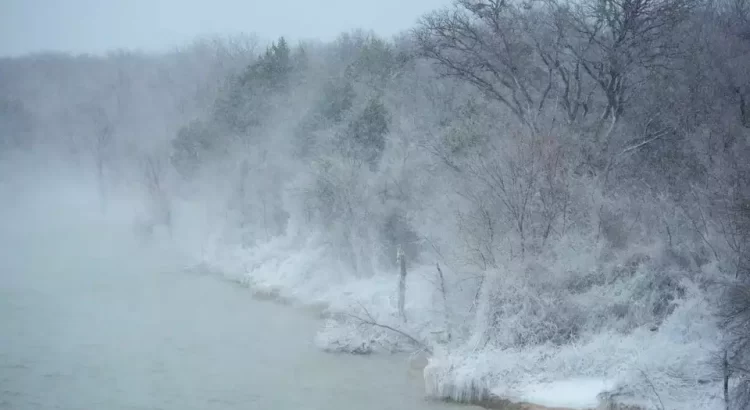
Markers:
{"x": 543, "y": 201}
{"x": 94, "y": 318}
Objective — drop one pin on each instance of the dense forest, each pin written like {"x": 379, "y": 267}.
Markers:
{"x": 564, "y": 185}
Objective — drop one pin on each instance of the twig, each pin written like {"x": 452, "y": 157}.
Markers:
{"x": 653, "y": 388}
{"x": 644, "y": 143}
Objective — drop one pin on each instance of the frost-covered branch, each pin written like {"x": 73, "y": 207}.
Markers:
{"x": 370, "y": 320}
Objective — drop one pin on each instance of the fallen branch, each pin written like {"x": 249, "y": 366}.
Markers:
{"x": 372, "y": 322}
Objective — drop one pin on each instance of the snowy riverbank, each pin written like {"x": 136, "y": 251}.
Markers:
{"x": 669, "y": 368}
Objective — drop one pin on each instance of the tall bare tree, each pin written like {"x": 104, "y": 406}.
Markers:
{"x": 487, "y": 44}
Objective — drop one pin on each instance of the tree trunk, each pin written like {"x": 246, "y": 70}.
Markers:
{"x": 727, "y": 374}
{"x": 445, "y": 303}
{"x": 401, "y": 283}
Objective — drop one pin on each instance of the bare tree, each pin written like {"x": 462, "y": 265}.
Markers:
{"x": 612, "y": 39}
{"x": 574, "y": 58}
{"x": 519, "y": 190}
{"x": 101, "y": 147}
{"x": 619, "y": 44}
{"x": 735, "y": 312}
{"x": 154, "y": 173}
{"x": 729, "y": 52}
{"x": 487, "y": 44}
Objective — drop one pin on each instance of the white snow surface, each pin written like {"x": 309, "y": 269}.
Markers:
{"x": 673, "y": 361}
{"x": 572, "y": 393}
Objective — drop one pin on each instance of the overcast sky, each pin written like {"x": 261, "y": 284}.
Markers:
{"x": 94, "y": 26}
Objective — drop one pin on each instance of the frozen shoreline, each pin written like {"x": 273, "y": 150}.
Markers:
{"x": 300, "y": 271}
{"x": 578, "y": 376}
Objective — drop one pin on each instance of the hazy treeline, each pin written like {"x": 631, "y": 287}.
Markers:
{"x": 545, "y": 153}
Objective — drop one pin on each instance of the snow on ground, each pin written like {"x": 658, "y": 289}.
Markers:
{"x": 670, "y": 366}
{"x": 645, "y": 368}
{"x": 299, "y": 270}
{"x": 573, "y": 393}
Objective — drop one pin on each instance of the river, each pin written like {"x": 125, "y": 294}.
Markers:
{"x": 91, "y": 320}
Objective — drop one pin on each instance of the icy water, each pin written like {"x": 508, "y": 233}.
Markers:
{"x": 91, "y": 321}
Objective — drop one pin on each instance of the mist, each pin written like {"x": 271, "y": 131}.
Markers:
{"x": 85, "y": 27}
{"x": 538, "y": 202}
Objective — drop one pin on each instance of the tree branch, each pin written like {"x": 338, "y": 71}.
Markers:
{"x": 372, "y": 322}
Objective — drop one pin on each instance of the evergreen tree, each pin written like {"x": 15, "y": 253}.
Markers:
{"x": 337, "y": 99}
{"x": 366, "y": 134}
{"x": 247, "y": 100}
